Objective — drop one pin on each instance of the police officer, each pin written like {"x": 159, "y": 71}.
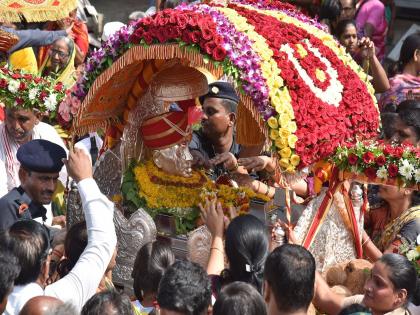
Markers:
{"x": 40, "y": 163}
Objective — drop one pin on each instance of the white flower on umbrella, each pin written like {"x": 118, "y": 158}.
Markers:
{"x": 13, "y": 86}
{"x": 412, "y": 255}
{"x": 382, "y": 172}
{"x": 406, "y": 169}
{"x": 51, "y": 102}
{"x": 32, "y": 94}
{"x": 417, "y": 175}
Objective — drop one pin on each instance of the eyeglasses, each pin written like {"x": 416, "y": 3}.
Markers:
{"x": 60, "y": 54}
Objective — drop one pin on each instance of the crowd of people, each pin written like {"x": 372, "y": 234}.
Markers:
{"x": 49, "y": 268}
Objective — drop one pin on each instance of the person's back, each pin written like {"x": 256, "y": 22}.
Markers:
{"x": 289, "y": 276}
{"x": 10, "y": 269}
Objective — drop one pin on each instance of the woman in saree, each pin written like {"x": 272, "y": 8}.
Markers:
{"x": 397, "y": 221}
{"x": 60, "y": 62}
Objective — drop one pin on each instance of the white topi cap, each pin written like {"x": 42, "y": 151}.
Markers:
{"x": 110, "y": 28}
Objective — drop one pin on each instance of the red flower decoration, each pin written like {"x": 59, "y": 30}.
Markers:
{"x": 22, "y": 86}
{"x": 370, "y": 172}
{"x": 393, "y": 170}
{"x": 380, "y": 160}
{"x": 368, "y": 157}
{"x": 3, "y": 83}
{"x": 16, "y": 76}
{"x": 58, "y": 87}
{"x": 43, "y": 95}
{"x": 353, "y": 158}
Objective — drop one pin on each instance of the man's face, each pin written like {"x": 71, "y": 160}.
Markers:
{"x": 39, "y": 186}
{"x": 60, "y": 55}
{"x": 348, "y": 11}
{"x": 20, "y": 123}
{"x": 216, "y": 119}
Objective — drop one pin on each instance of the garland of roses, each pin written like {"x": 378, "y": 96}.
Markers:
{"x": 399, "y": 165}
{"x": 19, "y": 89}
{"x": 317, "y": 134}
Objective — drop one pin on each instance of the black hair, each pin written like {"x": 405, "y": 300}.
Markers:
{"x": 229, "y": 105}
{"x": 354, "y": 309}
{"x": 185, "y": 288}
{"x": 108, "y": 302}
{"x": 409, "y": 112}
{"x": 403, "y": 275}
{"x": 74, "y": 245}
{"x": 151, "y": 262}
{"x": 169, "y": 4}
{"x": 290, "y": 273}
{"x": 28, "y": 240}
{"x": 330, "y": 10}
{"x": 408, "y": 48}
{"x": 341, "y": 27}
{"x": 388, "y": 120}
{"x": 246, "y": 249}
{"x": 9, "y": 270}
{"x": 239, "y": 298}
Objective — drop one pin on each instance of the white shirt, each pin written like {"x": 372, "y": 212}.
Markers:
{"x": 83, "y": 280}
{"x": 9, "y": 165}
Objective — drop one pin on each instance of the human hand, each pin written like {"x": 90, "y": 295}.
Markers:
{"x": 288, "y": 230}
{"x": 244, "y": 180}
{"x": 78, "y": 165}
{"x": 199, "y": 161}
{"x": 367, "y": 48}
{"x": 255, "y": 163}
{"x": 69, "y": 31}
{"x": 213, "y": 217}
{"x": 59, "y": 220}
{"x": 227, "y": 159}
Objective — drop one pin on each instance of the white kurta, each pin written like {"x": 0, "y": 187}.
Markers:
{"x": 9, "y": 165}
{"x": 83, "y": 280}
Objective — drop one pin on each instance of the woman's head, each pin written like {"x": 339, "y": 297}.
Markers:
{"x": 396, "y": 194}
{"x": 239, "y": 298}
{"x": 346, "y": 33}
{"x": 60, "y": 53}
{"x": 391, "y": 285}
{"x": 151, "y": 262}
{"x": 246, "y": 249}
{"x": 74, "y": 245}
{"x": 410, "y": 52}
{"x": 407, "y": 126}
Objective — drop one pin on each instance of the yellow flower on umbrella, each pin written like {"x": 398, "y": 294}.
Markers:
{"x": 281, "y": 143}
{"x": 272, "y": 123}
{"x": 284, "y": 163}
{"x": 286, "y": 152}
{"x": 292, "y": 139}
{"x": 295, "y": 160}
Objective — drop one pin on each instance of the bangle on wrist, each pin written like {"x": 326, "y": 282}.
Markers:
{"x": 366, "y": 241}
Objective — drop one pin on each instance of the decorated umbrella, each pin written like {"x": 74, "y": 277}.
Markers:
{"x": 35, "y": 10}
{"x": 298, "y": 87}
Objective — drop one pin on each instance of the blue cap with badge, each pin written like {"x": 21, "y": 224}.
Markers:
{"x": 220, "y": 89}
{"x": 41, "y": 156}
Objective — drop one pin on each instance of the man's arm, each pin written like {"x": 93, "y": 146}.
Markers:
{"x": 83, "y": 280}
{"x": 31, "y": 38}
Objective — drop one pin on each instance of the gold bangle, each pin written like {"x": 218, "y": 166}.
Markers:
{"x": 217, "y": 250}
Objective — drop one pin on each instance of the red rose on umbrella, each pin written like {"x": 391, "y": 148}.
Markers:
{"x": 28, "y": 76}
{"x": 392, "y": 170}
{"x": 370, "y": 172}
{"x": 43, "y": 95}
{"x": 380, "y": 160}
{"x": 398, "y": 152}
{"x": 181, "y": 21}
{"x": 37, "y": 80}
{"x": 19, "y": 101}
{"x": 209, "y": 47}
{"x": 219, "y": 53}
{"x": 16, "y": 76}
{"x": 368, "y": 157}
{"x": 58, "y": 87}
{"x": 353, "y": 158}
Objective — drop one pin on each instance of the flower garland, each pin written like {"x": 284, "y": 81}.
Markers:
{"x": 412, "y": 253}
{"x": 380, "y": 162}
{"x": 317, "y": 125}
{"x": 19, "y": 89}
{"x": 147, "y": 185}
